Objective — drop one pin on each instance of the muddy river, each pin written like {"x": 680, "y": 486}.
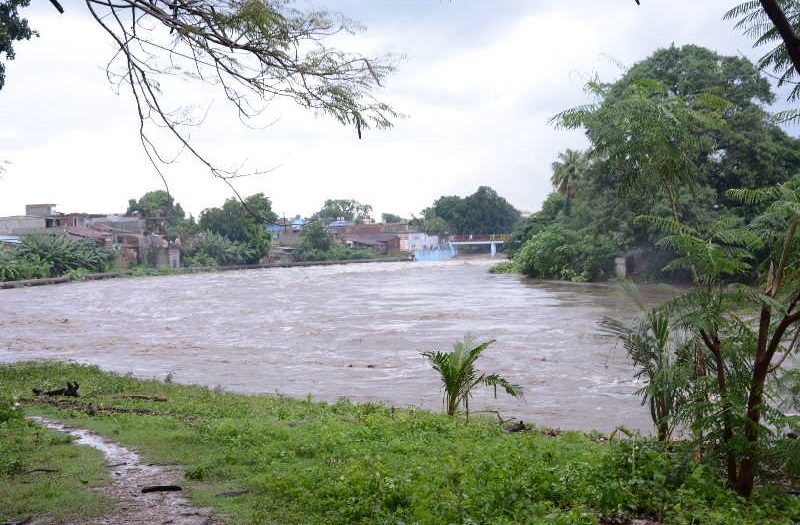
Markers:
{"x": 342, "y": 331}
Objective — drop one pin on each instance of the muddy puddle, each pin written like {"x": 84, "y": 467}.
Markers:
{"x": 130, "y": 475}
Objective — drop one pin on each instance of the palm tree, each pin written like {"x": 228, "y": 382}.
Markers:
{"x": 570, "y": 166}
{"x": 459, "y": 375}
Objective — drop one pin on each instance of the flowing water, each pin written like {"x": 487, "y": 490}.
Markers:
{"x": 343, "y": 331}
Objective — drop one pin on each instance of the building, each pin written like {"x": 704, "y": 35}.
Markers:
{"x": 123, "y": 223}
{"x": 381, "y": 242}
{"x": 22, "y": 225}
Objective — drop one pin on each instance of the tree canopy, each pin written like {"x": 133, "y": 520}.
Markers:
{"x": 242, "y": 222}
{"x": 343, "y": 209}
{"x": 666, "y": 140}
{"x": 391, "y": 218}
{"x": 482, "y": 212}
{"x": 156, "y": 202}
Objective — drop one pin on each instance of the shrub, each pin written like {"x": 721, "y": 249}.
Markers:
{"x": 560, "y": 253}
{"x": 64, "y": 254}
{"x": 212, "y": 249}
{"x": 14, "y": 268}
{"x": 504, "y": 267}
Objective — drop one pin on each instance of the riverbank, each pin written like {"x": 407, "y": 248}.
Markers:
{"x": 180, "y": 271}
{"x": 299, "y": 461}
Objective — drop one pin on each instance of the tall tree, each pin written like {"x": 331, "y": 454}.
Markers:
{"x": 743, "y": 148}
{"x": 482, "y": 212}
{"x": 653, "y": 139}
{"x": 242, "y": 222}
{"x": 344, "y": 209}
{"x": 161, "y": 213}
{"x": 391, "y": 218}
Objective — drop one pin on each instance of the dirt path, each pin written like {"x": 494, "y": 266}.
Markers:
{"x": 130, "y": 476}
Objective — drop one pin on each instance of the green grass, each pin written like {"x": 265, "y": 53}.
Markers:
{"x": 313, "y": 463}
{"x": 63, "y": 494}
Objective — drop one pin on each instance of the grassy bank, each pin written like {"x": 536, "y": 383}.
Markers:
{"x": 43, "y": 474}
{"x": 314, "y": 463}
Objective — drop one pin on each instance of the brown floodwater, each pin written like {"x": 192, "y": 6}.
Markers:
{"x": 352, "y": 331}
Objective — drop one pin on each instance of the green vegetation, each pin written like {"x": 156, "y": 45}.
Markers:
{"x": 13, "y": 267}
{"x": 342, "y": 209}
{"x": 482, "y": 212}
{"x": 62, "y": 491}
{"x": 40, "y": 256}
{"x": 391, "y": 218}
{"x": 163, "y": 215}
{"x": 460, "y": 377}
{"x": 210, "y": 249}
{"x": 14, "y": 28}
{"x": 669, "y": 139}
{"x": 312, "y": 463}
{"x": 233, "y": 234}
{"x": 504, "y": 267}
{"x": 654, "y": 349}
{"x": 319, "y": 245}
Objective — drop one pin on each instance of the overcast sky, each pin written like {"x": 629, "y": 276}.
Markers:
{"x": 478, "y": 83}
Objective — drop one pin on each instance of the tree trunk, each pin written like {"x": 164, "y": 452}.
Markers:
{"x": 750, "y": 460}
{"x": 784, "y": 27}
{"x": 713, "y": 344}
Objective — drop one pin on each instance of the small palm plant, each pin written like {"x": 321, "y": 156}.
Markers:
{"x": 459, "y": 375}
{"x": 654, "y": 348}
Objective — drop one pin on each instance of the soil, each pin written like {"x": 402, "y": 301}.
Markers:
{"x": 130, "y": 476}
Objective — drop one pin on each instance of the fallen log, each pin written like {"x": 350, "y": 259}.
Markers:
{"x": 41, "y": 469}
{"x": 93, "y": 410}
{"x": 141, "y": 396}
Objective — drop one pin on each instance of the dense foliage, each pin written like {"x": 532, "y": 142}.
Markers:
{"x": 211, "y": 249}
{"x": 304, "y": 462}
{"x": 667, "y": 139}
{"x": 41, "y": 256}
{"x": 162, "y": 214}
{"x": 714, "y": 356}
{"x": 14, "y": 267}
{"x": 390, "y": 218}
{"x": 482, "y": 212}
{"x": 319, "y": 245}
{"x": 343, "y": 209}
{"x": 241, "y": 223}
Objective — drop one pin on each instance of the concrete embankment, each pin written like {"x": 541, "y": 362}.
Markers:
{"x": 202, "y": 269}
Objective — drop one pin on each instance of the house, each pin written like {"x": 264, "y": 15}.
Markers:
{"x": 22, "y": 225}
{"x": 381, "y": 243}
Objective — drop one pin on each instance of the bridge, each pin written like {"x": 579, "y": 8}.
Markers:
{"x": 492, "y": 239}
